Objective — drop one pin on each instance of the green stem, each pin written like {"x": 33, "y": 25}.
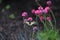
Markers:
{"x": 53, "y": 17}
{"x": 51, "y": 24}
{"x": 45, "y": 22}
{"x": 45, "y": 26}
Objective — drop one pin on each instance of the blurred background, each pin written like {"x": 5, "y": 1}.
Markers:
{"x": 11, "y": 19}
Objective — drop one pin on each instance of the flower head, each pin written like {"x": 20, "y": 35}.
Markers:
{"x": 48, "y": 3}
{"x": 46, "y": 10}
{"x": 33, "y": 10}
{"x": 35, "y": 28}
{"x": 24, "y": 14}
{"x": 48, "y": 18}
{"x": 41, "y": 12}
{"x": 41, "y": 18}
{"x": 30, "y": 19}
{"x": 37, "y": 12}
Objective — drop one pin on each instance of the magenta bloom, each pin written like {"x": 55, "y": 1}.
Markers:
{"x": 33, "y": 10}
{"x": 48, "y": 18}
{"x": 41, "y": 18}
{"x": 30, "y": 19}
{"x": 24, "y": 14}
{"x": 35, "y": 28}
{"x": 48, "y": 3}
{"x": 40, "y": 12}
{"x": 37, "y": 12}
{"x": 46, "y": 10}
{"x": 40, "y": 8}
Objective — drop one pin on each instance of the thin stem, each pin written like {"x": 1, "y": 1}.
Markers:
{"x": 45, "y": 26}
{"x": 51, "y": 24}
{"x": 45, "y": 22}
{"x": 53, "y": 17}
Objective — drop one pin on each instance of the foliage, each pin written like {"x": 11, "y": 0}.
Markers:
{"x": 7, "y": 7}
{"x": 12, "y": 16}
{"x": 49, "y": 35}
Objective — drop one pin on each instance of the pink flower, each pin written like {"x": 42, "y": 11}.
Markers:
{"x": 30, "y": 19}
{"x": 35, "y": 28}
{"x": 46, "y": 10}
{"x": 41, "y": 18}
{"x": 24, "y": 14}
{"x": 33, "y": 10}
{"x": 41, "y": 12}
{"x": 40, "y": 8}
{"x": 48, "y": 3}
{"x": 37, "y": 12}
{"x": 48, "y": 18}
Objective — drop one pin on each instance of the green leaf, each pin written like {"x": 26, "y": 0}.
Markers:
{"x": 42, "y": 36}
{"x": 7, "y": 7}
{"x": 12, "y": 16}
{"x": 49, "y": 35}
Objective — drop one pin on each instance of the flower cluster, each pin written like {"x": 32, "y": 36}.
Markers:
{"x": 40, "y": 12}
{"x": 43, "y": 13}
